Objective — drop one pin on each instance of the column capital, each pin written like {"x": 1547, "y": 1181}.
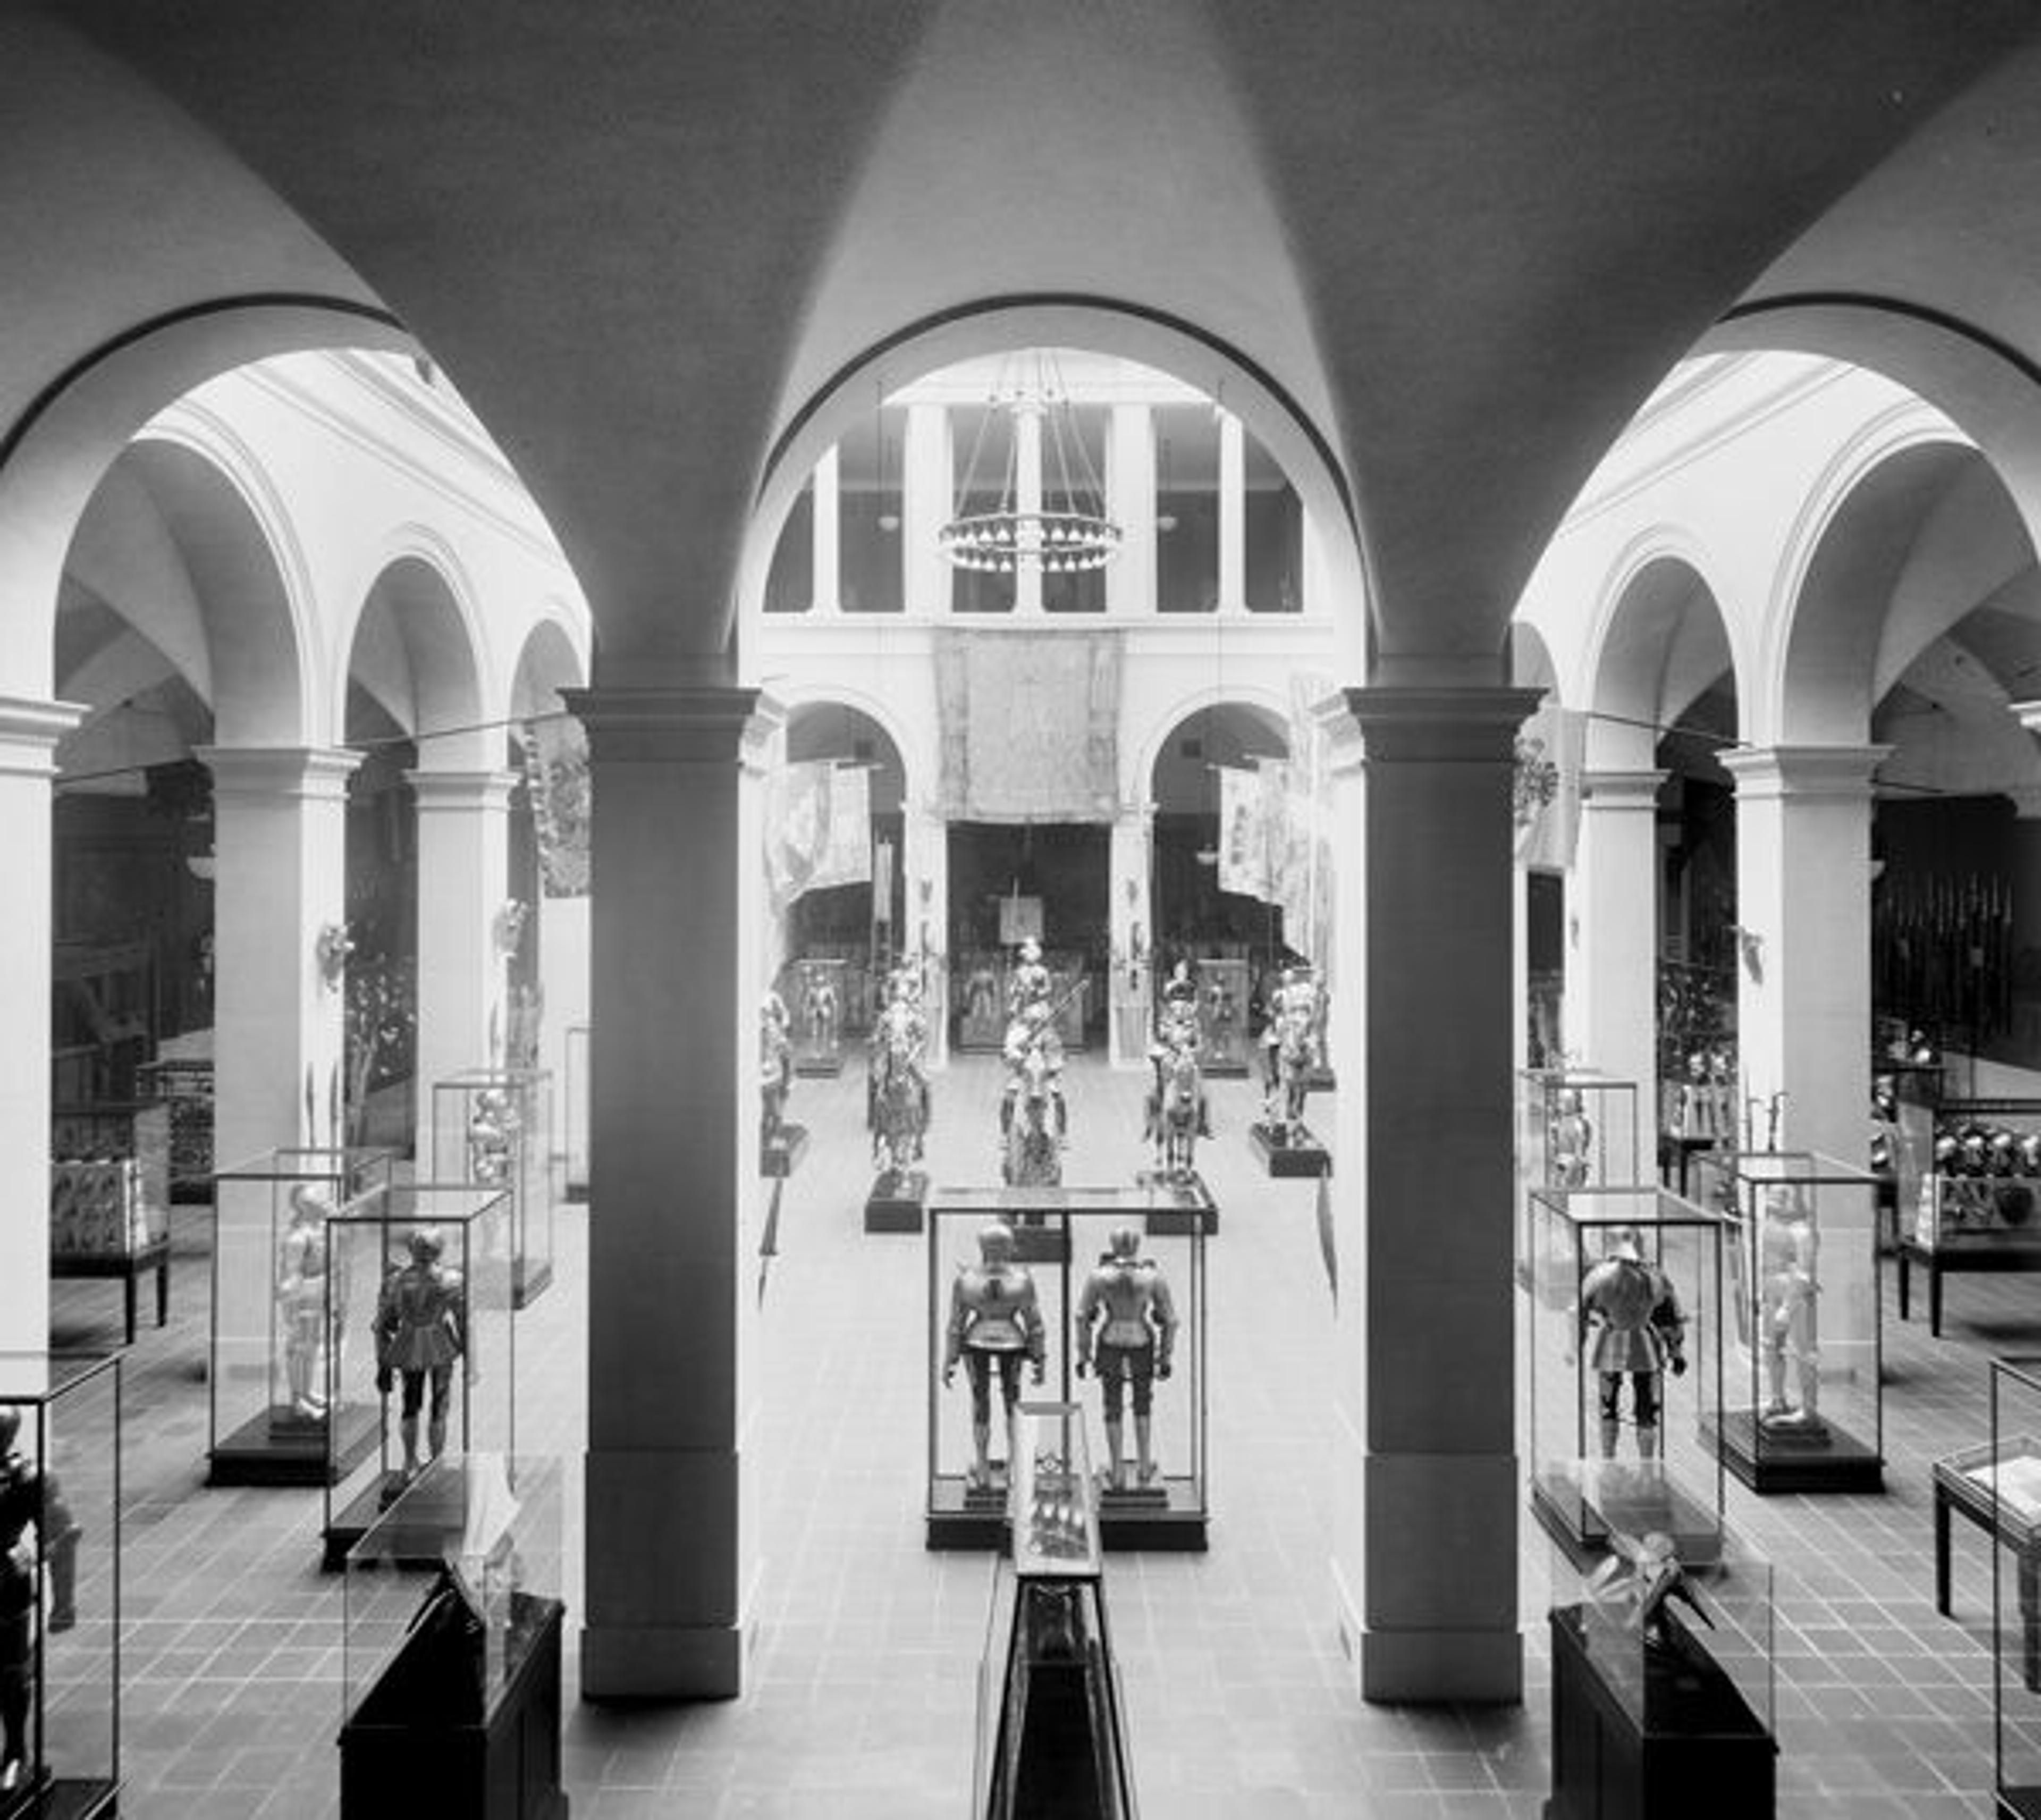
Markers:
{"x": 1782, "y": 771}
{"x": 29, "y": 732}
{"x": 1440, "y": 723}
{"x": 696, "y": 723}
{"x": 1621, "y": 789}
{"x": 2026, "y": 801}
{"x": 2028, "y": 714}
{"x": 310, "y": 772}
{"x": 456, "y": 790}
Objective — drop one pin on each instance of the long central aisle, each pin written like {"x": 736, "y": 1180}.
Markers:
{"x": 864, "y": 1688}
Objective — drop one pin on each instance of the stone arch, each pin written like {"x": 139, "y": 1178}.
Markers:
{"x": 913, "y": 749}
{"x": 1263, "y": 704}
{"x": 1816, "y": 681}
{"x": 553, "y": 655}
{"x": 56, "y": 451}
{"x": 253, "y": 584}
{"x": 1300, "y": 446}
{"x": 414, "y": 640}
{"x": 1651, "y": 655}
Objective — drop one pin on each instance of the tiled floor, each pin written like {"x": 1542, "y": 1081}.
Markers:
{"x": 864, "y": 1687}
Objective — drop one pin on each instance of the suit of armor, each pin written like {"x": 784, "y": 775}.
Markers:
{"x": 1632, "y": 1326}
{"x": 1570, "y": 1141}
{"x": 1126, "y": 1330}
{"x": 1029, "y": 983}
{"x": 995, "y": 1324}
{"x": 1788, "y": 1282}
{"x": 29, "y": 1501}
{"x": 420, "y": 1330}
{"x": 301, "y": 1287}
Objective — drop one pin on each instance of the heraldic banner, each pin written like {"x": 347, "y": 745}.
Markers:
{"x": 817, "y": 829}
{"x": 1030, "y": 725}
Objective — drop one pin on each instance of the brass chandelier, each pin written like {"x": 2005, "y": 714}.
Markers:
{"x": 1050, "y": 515}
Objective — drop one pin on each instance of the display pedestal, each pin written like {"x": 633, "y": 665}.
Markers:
{"x": 530, "y": 1277}
{"x": 819, "y": 1066}
{"x": 1166, "y": 1513}
{"x": 782, "y": 1155}
{"x": 1784, "y": 1459}
{"x": 961, "y": 1515}
{"x": 129, "y": 1267}
{"x": 67, "y": 1798}
{"x": 1300, "y": 1153}
{"x": 1698, "y": 1753}
{"x": 280, "y": 1447}
{"x": 1184, "y": 1203}
{"x": 897, "y": 1203}
{"x": 404, "y": 1753}
{"x": 1628, "y": 1499}
{"x": 1952, "y": 1257}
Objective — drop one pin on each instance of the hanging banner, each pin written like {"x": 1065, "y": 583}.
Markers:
{"x": 846, "y": 854}
{"x": 817, "y": 829}
{"x": 1244, "y": 832}
{"x": 1306, "y": 885}
{"x": 556, "y": 756}
{"x": 1548, "y": 788}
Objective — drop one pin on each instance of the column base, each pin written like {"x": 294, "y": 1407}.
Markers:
{"x": 645, "y": 1661}
{"x": 1472, "y": 1667}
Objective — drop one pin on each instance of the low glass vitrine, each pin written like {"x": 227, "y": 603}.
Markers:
{"x": 1575, "y": 1128}
{"x": 2000, "y": 1487}
{"x": 1105, "y": 1287}
{"x": 1971, "y": 1172}
{"x": 60, "y": 1444}
{"x": 1051, "y": 1731}
{"x": 452, "y": 1616}
{"x": 109, "y": 1180}
{"x": 492, "y": 1128}
{"x": 270, "y": 1424}
{"x": 421, "y": 1360}
{"x": 1802, "y": 1409}
{"x": 1664, "y": 1681}
{"x": 1624, "y": 1368}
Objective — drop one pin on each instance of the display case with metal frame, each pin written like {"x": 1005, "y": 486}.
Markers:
{"x": 1051, "y": 1732}
{"x": 492, "y": 1128}
{"x": 269, "y": 1420}
{"x": 817, "y": 991}
{"x": 423, "y": 1343}
{"x": 60, "y": 1449}
{"x": 2004, "y": 1480}
{"x": 1663, "y": 1680}
{"x": 1803, "y": 1409}
{"x": 1624, "y": 1368}
{"x": 576, "y": 1114}
{"x": 1576, "y": 1128}
{"x": 1096, "y": 1293}
{"x": 452, "y": 1618}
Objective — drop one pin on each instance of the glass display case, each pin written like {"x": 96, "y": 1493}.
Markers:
{"x": 1802, "y": 1409}
{"x": 60, "y": 1444}
{"x": 109, "y": 1179}
{"x": 1105, "y": 1287}
{"x": 576, "y": 1113}
{"x": 1624, "y": 1368}
{"x": 1575, "y": 1128}
{"x": 1970, "y": 1171}
{"x": 492, "y": 1128}
{"x": 452, "y": 1616}
{"x": 817, "y": 995}
{"x": 1663, "y": 1680}
{"x": 1225, "y": 999}
{"x": 269, "y": 1420}
{"x": 420, "y": 1358}
{"x": 2005, "y": 1482}
{"x": 1051, "y": 1732}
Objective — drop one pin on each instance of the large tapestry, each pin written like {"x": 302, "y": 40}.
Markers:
{"x": 1030, "y": 725}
